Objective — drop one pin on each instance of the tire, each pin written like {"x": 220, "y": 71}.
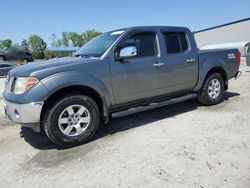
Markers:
{"x": 25, "y": 61}
{"x": 212, "y": 91}
{"x": 68, "y": 134}
{"x": 2, "y": 58}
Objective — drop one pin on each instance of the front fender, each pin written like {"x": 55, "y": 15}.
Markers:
{"x": 205, "y": 67}
{"x": 65, "y": 79}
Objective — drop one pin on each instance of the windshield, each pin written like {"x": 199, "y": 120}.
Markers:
{"x": 97, "y": 46}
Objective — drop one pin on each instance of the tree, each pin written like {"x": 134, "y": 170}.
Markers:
{"x": 15, "y": 46}
{"x": 53, "y": 40}
{"x": 5, "y": 44}
{"x": 65, "y": 38}
{"x": 25, "y": 44}
{"x": 59, "y": 42}
{"x": 76, "y": 39}
{"x": 90, "y": 34}
{"x": 38, "y": 46}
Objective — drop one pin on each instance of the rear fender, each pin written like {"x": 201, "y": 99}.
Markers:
{"x": 205, "y": 68}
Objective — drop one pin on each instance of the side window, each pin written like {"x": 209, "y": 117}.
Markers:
{"x": 172, "y": 43}
{"x": 183, "y": 41}
{"x": 145, "y": 44}
{"x": 175, "y": 42}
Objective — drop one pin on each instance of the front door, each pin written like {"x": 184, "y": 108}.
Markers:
{"x": 142, "y": 76}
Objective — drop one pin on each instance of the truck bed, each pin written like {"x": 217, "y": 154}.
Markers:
{"x": 228, "y": 58}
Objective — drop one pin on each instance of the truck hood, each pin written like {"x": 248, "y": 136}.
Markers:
{"x": 50, "y": 66}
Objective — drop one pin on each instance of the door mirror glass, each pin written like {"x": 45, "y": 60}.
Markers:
{"x": 127, "y": 52}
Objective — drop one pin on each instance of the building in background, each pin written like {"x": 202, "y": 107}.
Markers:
{"x": 234, "y": 33}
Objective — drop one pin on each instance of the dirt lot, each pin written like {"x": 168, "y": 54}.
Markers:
{"x": 182, "y": 145}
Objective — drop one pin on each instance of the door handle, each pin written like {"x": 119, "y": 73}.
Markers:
{"x": 158, "y": 64}
{"x": 190, "y": 60}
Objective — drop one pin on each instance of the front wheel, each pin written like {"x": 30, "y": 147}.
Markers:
{"x": 212, "y": 90}
{"x": 1, "y": 58}
{"x": 72, "y": 120}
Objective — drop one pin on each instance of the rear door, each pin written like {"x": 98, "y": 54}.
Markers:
{"x": 142, "y": 76}
{"x": 181, "y": 61}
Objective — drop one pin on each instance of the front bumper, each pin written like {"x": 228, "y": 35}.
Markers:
{"x": 29, "y": 113}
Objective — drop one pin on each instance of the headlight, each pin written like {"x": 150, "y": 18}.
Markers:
{"x": 23, "y": 84}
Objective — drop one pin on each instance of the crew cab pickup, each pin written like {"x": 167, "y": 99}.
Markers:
{"x": 116, "y": 74}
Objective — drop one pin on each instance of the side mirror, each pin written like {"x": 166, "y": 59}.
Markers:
{"x": 127, "y": 52}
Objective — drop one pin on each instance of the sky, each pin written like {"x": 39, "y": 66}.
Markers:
{"x": 21, "y": 18}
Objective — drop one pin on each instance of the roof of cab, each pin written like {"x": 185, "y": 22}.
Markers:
{"x": 154, "y": 27}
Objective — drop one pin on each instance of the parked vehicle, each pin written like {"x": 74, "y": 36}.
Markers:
{"x": 116, "y": 74}
{"x": 16, "y": 55}
{"x": 5, "y": 67}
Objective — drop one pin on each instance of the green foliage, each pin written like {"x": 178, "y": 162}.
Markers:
{"x": 38, "y": 46}
{"x": 38, "y": 55}
{"x": 25, "y": 45}
{"x": 59, "y": 43}
{"x": 5, "y": 44}
{"x": 90, "y": 34}
{"x": 50, "y": 55}
{"x": 65, "y": 38}
{"x": 76, "y": 39}
{"x": 53, "y": 40}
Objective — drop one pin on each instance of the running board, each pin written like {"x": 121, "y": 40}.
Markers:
{"x": 152, "y": 105}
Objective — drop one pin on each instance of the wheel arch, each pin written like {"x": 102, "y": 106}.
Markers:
{"x": 220, "y": 70}
{"x": 209, "y": 67}
{"x": 78, "y": 89}
{"x": 3, "y": 56}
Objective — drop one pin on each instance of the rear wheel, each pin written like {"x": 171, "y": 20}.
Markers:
{"x": 212, "y": 91}
{"x": 72, "y": 120}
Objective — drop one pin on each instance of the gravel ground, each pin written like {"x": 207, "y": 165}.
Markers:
{"x": 182, "y": 145}
{"x": 2, "y": 80}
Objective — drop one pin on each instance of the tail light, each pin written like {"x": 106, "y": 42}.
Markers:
{"x": 238, "y": 58}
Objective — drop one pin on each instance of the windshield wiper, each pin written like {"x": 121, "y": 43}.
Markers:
{"x": 82, "y": 55}
{"x": 85, "y": 56}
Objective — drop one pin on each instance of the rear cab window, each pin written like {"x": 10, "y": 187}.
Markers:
{"x": 176, "y": 42}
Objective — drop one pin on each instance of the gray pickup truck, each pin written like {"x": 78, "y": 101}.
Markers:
{"x": 116, "y": 74}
